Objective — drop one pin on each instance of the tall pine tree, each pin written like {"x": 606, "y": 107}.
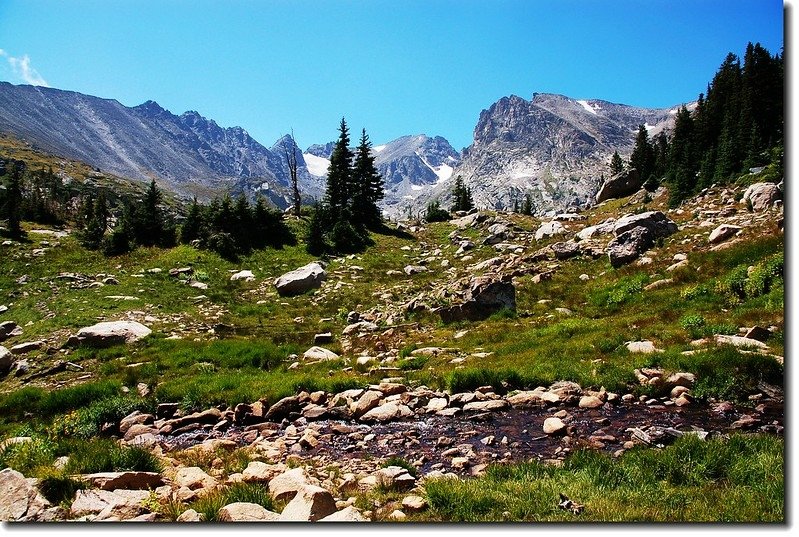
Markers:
{"x": 367, "y": 186}
{"x": 339, "y": 174}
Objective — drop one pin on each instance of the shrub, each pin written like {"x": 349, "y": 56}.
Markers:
{"x": 402, "y": 463}
{"x": 60, "y": 488}
{"x": 413, "y": 363}
{"x": 209, "y": 505}
{"x": 106, "y": 455}
{"x": 88, "y": 422}
{"x": 464, "y": 380}
{"x": 434, "y": 213}
{"x": 693, "y": 323}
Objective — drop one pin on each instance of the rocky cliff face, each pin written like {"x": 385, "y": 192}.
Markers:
{"x": 190, "y": 153}
{"x": 552, "y": 148}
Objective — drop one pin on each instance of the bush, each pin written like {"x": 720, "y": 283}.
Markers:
{"x": 434, "y": 213}
{"x": 209, "y": 505}
{"x": 402, "y": 463}
{"x": 412, "y": 363}
{"x": 464, "y": 380}
{"x": 59, "y": 488}
{"x": 618, "y": 293}
{"x": 88, "y": 422}
{"x": 106, "y": 455}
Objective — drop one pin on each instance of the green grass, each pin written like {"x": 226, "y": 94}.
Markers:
{"x": 209, "y": 505}
{"x": 735, "y": 480}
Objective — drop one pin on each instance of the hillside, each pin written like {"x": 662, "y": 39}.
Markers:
{"x": 415, "y": 367}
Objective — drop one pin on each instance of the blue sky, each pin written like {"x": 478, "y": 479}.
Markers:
{"x": 394, "y": 67}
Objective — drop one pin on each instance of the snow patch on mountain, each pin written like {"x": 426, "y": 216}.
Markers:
{"x": 587, "y": 106}
{"x": 316, "y": 165}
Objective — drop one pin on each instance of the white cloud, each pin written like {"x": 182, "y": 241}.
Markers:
{"x": 22, "y": 68}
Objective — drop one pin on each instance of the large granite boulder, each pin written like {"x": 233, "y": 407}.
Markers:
{"x": 110, "y": 333}
{"x": 484, "y": 296}
{"x": 637, "y": 233}
{"x": 622, "y": 184}
{"x": 6, "y": 360}
{"x": 761, "y": 196}
{"x": 20, "y": 500}
{"x": 655, "y": 221}
{"x": 628, "y": 246}
{"x": 300, "y": 280}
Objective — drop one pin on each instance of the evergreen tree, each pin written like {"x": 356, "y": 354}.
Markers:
{"x": 527, "y": 206}
{"x": 434, "y": 212}
{"x": 92, "y": 235}
{"x": 462, "y": 196}
{"x": 13, "y": 203}
{"x": 339, "y": 174}
{"x": 315, "y": 239}
{"x": 642, "y": 158}
{"x": 367, "y": 185}
{"x": 148, "y": 227}
{"x": 682, "y": 160}
{"x": 243, "y": 232}
{"x": 193, "y": 226}
{"x": 616, "y": 164}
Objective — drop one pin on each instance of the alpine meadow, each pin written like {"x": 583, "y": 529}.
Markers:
{"x": 578, "y": 317}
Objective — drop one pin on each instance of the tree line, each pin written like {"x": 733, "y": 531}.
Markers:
{"x": 737, "y": 124}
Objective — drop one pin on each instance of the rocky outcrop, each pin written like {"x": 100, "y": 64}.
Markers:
{"x": 20, "y": 499}
{"x": 761, "y": 196}
{"x": 301, "y": 280}
{"x": 6, "y": 360}
{"x": 484, "y": 296}
{"x": 246, "y": 512}
{"x": 622, "y": 184}
{"x": 635, "y": 234}
{"x": 110, "y": 333}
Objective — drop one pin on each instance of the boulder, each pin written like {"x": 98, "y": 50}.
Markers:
{"x": 283, "y": 408}
{"x": 311, "y": 503}
{"x": 410, "y": 270}
{"x": 553, "y": 426}
{"x": 194, "y": 478}
{"x": 526, "y": 399}
{"x": 387, "y": 412}
{"x": 6, "y": 360}
{"x": 629, "y": 245}
{"x": 246, "y": 512}
{"x": 485, "y": 406}
{"x": 590, "y": 401}
{"x": 738, "y": 341}
{"x": 261, "y": 472}
{"x": 319, "y": 353}
{"x": 549, "y": 229}
{"x": 104, "y": 504}
{"x": 565, "y": 250}
{"x": 110, "y": 333}
{"x": 395, "y": 478}
{"x": 484, "y": 296}
{"x": 286, "y": 485}
{"x": 599, "y": 229}
{"x": 189, "y": 515}
{"x": 622, "y": 184}
{"x": 300, "y": 280}
{"x": 368, "y": 401}
{"x": 124, "y": 480}
{"x": 641, "y": 347}
{"x": 9, "y": 329}
{"x": 655, "y": 221}
{"x": 20, "y": 500}
{"x": 761, "y": 196}
{"x": 722, "y": 233}
{"x": 414, "y": 504}
{"x": 360, "y": 326}
{"x": 25, "y": 348}
{"x": 348, "y": 514}
{"x": 245, "y": 275}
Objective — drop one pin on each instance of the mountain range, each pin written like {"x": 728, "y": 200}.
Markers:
{"x": 551, "y": 148}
